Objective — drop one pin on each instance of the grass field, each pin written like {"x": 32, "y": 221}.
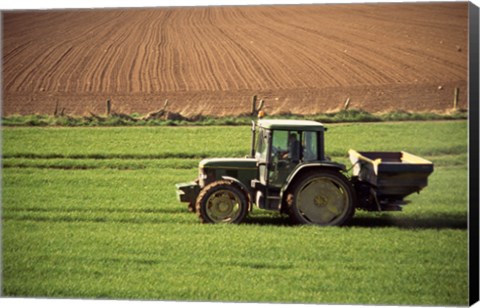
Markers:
{"x": 91, "y": 213}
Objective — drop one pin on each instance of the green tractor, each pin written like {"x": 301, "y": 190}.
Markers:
{"x": 287, "y": 171}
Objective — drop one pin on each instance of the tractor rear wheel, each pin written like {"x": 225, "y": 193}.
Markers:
{"x": 221, "y": 202}
{"x": 324, "y": 198}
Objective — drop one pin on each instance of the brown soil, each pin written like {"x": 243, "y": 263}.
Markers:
{"x": 302, "y": 58}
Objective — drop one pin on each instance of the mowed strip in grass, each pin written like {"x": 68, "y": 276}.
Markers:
{"x": 111, "y": 232}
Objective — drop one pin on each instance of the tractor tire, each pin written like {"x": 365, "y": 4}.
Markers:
{"x": 324, "y": 198}
{"x": 221, "y": 202}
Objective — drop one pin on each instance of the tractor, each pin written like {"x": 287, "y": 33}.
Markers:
{"x": 287, "y": 171}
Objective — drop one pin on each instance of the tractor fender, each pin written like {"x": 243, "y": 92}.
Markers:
{"x": 309, "y": 166}
{"x": 248, "y": 192}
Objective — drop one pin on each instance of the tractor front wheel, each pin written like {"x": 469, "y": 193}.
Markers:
{"x": 324, "y": 198}
{"x": 221, "y": 202}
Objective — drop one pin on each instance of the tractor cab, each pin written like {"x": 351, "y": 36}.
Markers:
{"x": 281, "y": 148}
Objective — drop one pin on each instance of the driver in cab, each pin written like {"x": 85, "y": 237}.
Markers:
{"x": 293, "y": 153}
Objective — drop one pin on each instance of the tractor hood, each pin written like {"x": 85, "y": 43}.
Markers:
{"x": 229, "y": 163}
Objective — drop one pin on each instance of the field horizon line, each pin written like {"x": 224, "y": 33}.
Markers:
{"x": 175, "y": 119}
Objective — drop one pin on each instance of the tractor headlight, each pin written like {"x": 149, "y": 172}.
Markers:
{"x": 201, "y": 177}
{"x": 201, "y": 174}
{"x": 205, "y": 177}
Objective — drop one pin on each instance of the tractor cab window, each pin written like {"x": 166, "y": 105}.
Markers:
{"x": 310, "y": 146}
{"x": 285, "y": 154}
{"x": 279, "y": 143}
{"x": 286, "y": 146}
{"x": 294, "y": 147}
{"x": 290, "y": 148}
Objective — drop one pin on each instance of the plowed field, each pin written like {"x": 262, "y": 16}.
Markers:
{"x": 211, "y": 60}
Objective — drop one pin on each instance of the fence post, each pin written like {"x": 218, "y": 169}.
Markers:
{"x": 456, "y": 93}
{"x": 347, "y": 104}
{"x": 254, "y": 105}
{"x": 55, "y": 112}
{"x": 109, "y": 106}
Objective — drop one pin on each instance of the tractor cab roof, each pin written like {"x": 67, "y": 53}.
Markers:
{"x": 298, "y": 125}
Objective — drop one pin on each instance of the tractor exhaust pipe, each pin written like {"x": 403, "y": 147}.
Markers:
{"x": 252, "y": 151}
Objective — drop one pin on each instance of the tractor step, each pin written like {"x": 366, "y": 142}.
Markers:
{"x": 273, "y": 197}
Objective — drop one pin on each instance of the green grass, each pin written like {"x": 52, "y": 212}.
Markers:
{"x": 92, "y": 213}
{"x": 423, "y": 138}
